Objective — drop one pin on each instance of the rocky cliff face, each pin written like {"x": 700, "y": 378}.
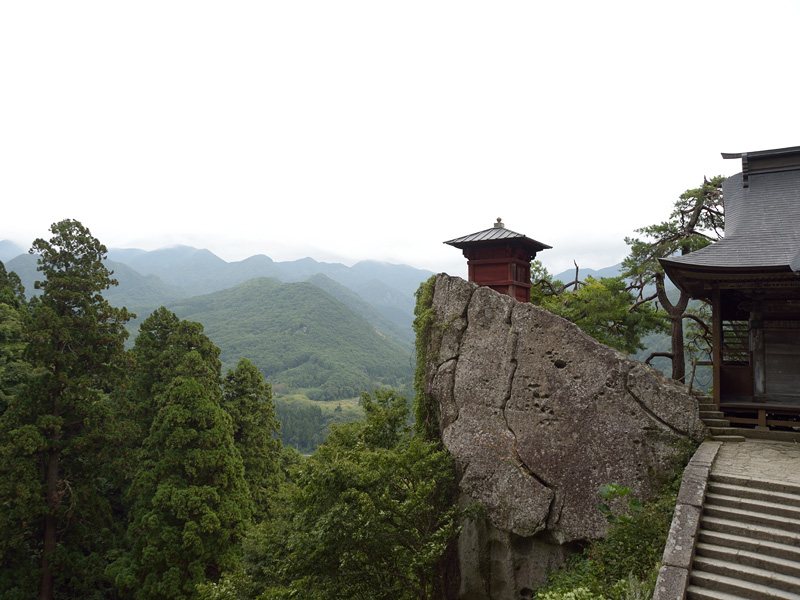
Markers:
{"x": 538, "y": 416}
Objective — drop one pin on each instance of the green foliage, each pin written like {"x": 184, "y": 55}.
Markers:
{"x": 58, "y": 434}
{"x": 542, "y": 283}
{"x": 604, "y": 309}
{"x": 161, "y": 346}
{"x": 191, "y": 503}
{"x": 371, "y": 514}
{"x": 247, "y": 398}
{"x": 300, "y": 336}
{"x": 305, "y": 423}
{"x": 697, "y": 220}
{"x": 426, "y": 409}
{"x": 624, "y": 565}
{"x": 629, "y": 554}
{"x": 610, "y": 491}
{"x": 14, "y": 370}
{"x": 580, "y": 593}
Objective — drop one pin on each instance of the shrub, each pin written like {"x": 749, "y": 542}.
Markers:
{"x": 624, "y": 565}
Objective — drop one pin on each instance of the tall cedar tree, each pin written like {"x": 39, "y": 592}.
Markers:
{"x": 696, "y": 221}
{"x": 248, "y": 400}
{"x": 159, "y": 349}
{"x": 18, "y": 575}
{"x": 163, "y": 341}
{"x": 57, "y": 432}
{"x": 190, "y": 501}
{"x": 14, "y": 371}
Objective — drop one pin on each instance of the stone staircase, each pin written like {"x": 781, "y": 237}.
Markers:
{"x": 736, "y": 530}
{"x": 749, "y": 541}
{"x": 720, "y": 428}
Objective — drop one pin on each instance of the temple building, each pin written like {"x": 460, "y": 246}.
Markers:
{"x": 500, "y": 259}
{"x": 750, "y": 278}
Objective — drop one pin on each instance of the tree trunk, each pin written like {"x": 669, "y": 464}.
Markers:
{"x": 675, "y": 313}
{"x": 50, "y": 523}
{"x": 678, "y": 358}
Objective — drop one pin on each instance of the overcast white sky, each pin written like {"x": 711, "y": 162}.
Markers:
{"x": 349, "y": 130}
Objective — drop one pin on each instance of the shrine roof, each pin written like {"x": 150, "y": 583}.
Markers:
{"x": 497, "y": 233}
{"x": 762, "y": 226}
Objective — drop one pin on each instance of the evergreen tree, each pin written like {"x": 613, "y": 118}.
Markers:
{"x": 159, "y": 349}
{"x": 248, "y": 400}
{"x": 14, "y": 371}
{"x": 697, "y": 220}
{"x": 60, "y": 427}
{"x": 605, "y": 309}
{"x": 190, "y": 501}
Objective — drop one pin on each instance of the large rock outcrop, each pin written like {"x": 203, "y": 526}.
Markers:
{"x": 538, "y": 416}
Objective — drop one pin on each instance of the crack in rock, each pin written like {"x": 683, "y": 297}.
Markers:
{"x": 653, "y": 416}
{"x": 459, "y": 337}
{"x": 512, "y": 361}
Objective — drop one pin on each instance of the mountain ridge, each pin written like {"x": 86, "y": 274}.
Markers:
{"x": 298, "y": 335}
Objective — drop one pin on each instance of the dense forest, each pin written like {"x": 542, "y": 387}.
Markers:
{"x": 145, "y": 472}
{"x": 318, "y": 332}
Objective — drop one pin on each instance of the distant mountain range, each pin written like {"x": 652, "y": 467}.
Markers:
{"x": 569, "y": 274}
{"x": 148, "y": 279}
{"x": 302, "y": 322}
{"x": 9, "y": 250}
{"x": 326, "y": 329}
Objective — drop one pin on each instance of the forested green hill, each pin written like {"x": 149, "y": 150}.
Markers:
{"x": 149, "y": 279}
{"x": 348, "y": 332}
{"x": 300, "y": 336}
{"x": 388, "y": 327}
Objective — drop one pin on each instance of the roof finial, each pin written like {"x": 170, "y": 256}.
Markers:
{"x": 499, "y": 223}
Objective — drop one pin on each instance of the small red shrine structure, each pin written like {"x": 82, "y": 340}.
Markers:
{"x": 500, "y": 259}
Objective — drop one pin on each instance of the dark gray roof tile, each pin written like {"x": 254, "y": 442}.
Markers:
{"x": 494, "y": 234}
{"x": 762, "y": 224}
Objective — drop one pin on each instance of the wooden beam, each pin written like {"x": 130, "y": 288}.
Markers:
{"x": 716, "y": 343}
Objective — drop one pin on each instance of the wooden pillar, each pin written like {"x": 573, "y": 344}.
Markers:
{"x": 716, "y": 344}
{"x": 758, "y": 356}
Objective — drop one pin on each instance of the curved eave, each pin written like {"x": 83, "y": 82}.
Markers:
{"x": 526, "y": 243}
{"x": 699, "y": 280}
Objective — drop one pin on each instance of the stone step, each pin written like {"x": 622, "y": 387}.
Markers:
{"x": 712, "y": 414}
{"x": 714, "y": 423}
{"x": 754, "y": 493}
{"x": 728, "y": 430}
{"x": 750, "y": 544}
{"x": 756, "y": 560}
{"x": 746, "y": 573}
{"x": 694, "y": 592}
{"x": 767, "y": 507}
{"x": 738, "y": 587}
{"x": 760, "y": 484}
{"x": 756, "y": 434}
{"x": 748, "y": 516}
{"x": 728, "y": 438}
{"x": 707, "y": 406}
{"x": 757, "y": 532}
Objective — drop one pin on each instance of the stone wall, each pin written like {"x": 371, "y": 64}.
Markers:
{"x": 538, "y": 416}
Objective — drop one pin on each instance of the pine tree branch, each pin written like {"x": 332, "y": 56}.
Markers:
{"x": 656, "y": 355}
